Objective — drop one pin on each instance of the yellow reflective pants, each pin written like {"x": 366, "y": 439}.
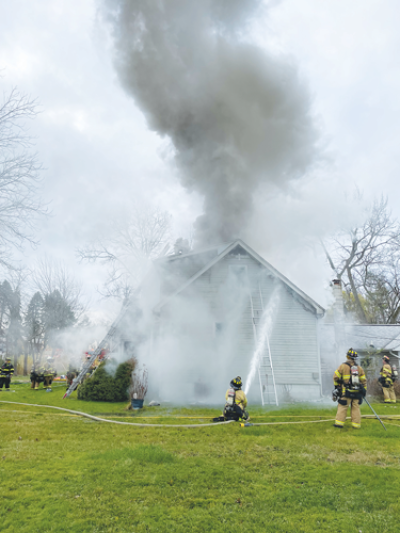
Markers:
{"x": 389, "y": 395}
{"x": 342, "y": 413}
{"x": 48, "y": 381}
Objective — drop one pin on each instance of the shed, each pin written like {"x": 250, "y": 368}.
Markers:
{"x": 370, "y": 341}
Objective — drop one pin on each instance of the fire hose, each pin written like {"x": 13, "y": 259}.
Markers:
{"x": 98, "y": 419}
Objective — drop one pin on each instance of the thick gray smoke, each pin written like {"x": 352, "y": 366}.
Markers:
{"x": 238, "y": 118}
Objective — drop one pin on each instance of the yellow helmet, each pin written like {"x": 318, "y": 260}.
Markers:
{"x": 352, "y": 354}
{"x": 236, "y": 383}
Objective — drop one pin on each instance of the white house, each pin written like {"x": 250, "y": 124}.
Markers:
{"x": 204, "y": 317}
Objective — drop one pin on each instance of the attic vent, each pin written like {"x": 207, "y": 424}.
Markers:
{"x": 238, "y": 252}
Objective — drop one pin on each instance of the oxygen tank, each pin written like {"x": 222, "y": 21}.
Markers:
{"x": 355, "y": 380}
{"x": 395, "y": 373}
{"x": 231, "y": 397}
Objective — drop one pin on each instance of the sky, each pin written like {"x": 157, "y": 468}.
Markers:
{"x": 100, "y": 156}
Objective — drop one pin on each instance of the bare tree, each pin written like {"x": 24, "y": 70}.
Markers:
{"x": 382, "y": 290}
{"x": 362, "y": 255}
{"x": 50, "y": 276}
{"x": 135, "y": 240}
{"x": 19, "y": 175}
{"x": 5, "y": 298}
{"x": 34, "y": 330}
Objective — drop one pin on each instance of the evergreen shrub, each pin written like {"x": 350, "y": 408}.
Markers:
{"x": 105, "y": 387}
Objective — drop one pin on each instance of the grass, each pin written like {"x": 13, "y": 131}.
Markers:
{"x": 64, "y": 473}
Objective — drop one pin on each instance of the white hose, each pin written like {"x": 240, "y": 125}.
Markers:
{"x": 98, "y": 419}
{"x": 79, "y": 413}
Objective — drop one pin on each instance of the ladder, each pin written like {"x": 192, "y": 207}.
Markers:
{"x": 103, "y": 344}
{"x": 265, "y": 369}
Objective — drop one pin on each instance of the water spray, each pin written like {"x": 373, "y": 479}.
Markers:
{"x": 267, "y": 321}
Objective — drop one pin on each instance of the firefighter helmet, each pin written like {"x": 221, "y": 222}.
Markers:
{"x": 352, "y": 354}
{"x": 8, "y": 359}
{"x": 386, "y": 358}
{"x": 236, "y": 383}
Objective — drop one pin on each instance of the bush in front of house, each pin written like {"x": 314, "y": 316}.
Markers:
{"x": 103, "y": 386}
{"x": 123, "y": 378}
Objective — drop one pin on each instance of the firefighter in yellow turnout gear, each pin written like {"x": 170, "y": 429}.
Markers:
{"x": 351, "y": 383}
{"x": 49, "y": 374}
{"x": 37, "y": 376}
{"x": 236, "y": 401}
{"x": 388, "y": 376}
{"x": 6, "y": 371}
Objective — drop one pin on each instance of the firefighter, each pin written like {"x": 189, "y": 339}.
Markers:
{"x": 6, "y": 371}
{"x": 351, "y": 382}
{"x": 49, "y": 374}
{"x": 37, "y": 376}
{"x": 103, "y": 353}
{"x": 71, "y": 375}
{"x": 34, "y": 378}
{"x": 92, "y": 367}
{"x": 236, "y": 401}
{"x": 388, "y": 375}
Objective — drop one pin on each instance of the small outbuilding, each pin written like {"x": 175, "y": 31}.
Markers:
{"x": 370, "y": 341}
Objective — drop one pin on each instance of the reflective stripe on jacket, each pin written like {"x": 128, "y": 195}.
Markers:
{"x": 386, "y": 372}
{"x": 49, "y": 372}
{"x": 343, "y": 373}
{"x": 7, "y": 369}
{"x": 240, "y": 398}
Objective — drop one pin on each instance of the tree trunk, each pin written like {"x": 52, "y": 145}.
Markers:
{"x": 26, "y": 352}
{"x": 15, "y": 362}
{"x": 361, "y": 313}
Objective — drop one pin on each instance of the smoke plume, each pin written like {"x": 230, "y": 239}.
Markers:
{"x": 238, "y": 117}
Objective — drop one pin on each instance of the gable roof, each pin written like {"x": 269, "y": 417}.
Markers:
{"x": 224, "y": 250}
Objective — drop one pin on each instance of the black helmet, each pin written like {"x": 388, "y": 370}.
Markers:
{"x": 352, "y": 354}
{"x": 386, "y": 359}
{"x": 236, "y": 383}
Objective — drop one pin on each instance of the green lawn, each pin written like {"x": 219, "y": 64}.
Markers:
{"x": 64, "y": 473}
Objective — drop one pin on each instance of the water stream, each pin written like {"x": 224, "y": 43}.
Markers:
{"x": 263, "y": 332}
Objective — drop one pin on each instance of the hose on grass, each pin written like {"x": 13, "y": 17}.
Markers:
{"x": 98, "y": 419}
{"x": 370, "y": 417}
{"x": 283, "y": 423}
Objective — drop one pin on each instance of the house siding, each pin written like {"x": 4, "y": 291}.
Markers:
{"x": 224, "y": 334}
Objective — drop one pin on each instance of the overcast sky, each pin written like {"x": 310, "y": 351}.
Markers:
{"x": 99, "y": 156}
